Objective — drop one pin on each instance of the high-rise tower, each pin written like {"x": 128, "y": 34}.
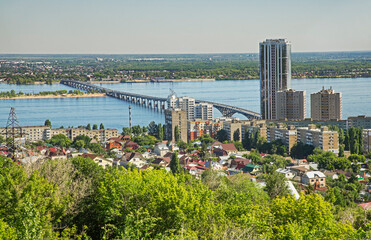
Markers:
{"x": 275, "y": 73}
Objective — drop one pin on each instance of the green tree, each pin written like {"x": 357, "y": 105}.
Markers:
{"x": 88, "y": 126}
{"x": 246, "y": 141}
{"x": 79, "y": 144}
{"x": 153, "y": 129}
{"x": 174, "y": 163}
{"x": 60, "y": 140}
{"x": 160, "y": 132}
{"x": 222, "y": 135}
{"x": 95, "y": 126}
{"x": 236, "y": 135}
{"x": 101, "y": 126}
{"x": 126, "y": 131}
{"x": 137, "y": 130}
{"x": 176, "y": 133}
{"x": 48, "y": 123}
{"x": 276, "y": 185}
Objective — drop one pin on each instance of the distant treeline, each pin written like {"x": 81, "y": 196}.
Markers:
{"x": 12, "y": 93}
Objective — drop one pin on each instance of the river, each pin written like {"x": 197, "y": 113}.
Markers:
{"x": 113, "y": 113}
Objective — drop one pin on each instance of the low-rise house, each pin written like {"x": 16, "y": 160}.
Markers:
{"x": 314, "y": 178}
{"x": 161, "y": 161}
{"x": 161, "y": 149}
{"x": 101, "y": 161}
{"x": 331, "y": 174}
{"x": 135, "y": 158}
{"x": 286, "y": 172}
{"x": 114, "y": 143}
{"x": 252, "y": 169}
{"x": 131, "y": 145}
{"x": 229, "y": 148}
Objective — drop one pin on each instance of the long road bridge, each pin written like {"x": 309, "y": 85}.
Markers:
{"x": 156, "y": 102}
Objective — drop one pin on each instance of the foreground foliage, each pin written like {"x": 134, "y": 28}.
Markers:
{"x": 76, "y": 199}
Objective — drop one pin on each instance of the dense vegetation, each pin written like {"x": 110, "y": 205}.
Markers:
{"x": 219, "y": 66}
{"x": 77, "y": 199}
{"x": 12, "y": 93}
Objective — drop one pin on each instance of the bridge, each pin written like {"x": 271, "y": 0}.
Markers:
{"x": 155, "y": 102}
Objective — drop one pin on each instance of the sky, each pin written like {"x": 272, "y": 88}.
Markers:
{"x": 181, "y": 26}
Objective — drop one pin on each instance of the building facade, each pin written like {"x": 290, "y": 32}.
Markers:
{"x": 326, "y": 105}
{"x": 275, "y": 73}
{"x": 291, "y": 104}
{"x": 204, "y": 111}
{"x": 176, "y": 117}
{"x": 42, "y": 133}
{"x": 286, "y": 135}
{"x": 327, "y": 140}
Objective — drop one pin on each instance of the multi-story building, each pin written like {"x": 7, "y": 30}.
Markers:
{"x": 204, "y": 111}
{"x": 286, "y": 135}
{"x": 291, "y": 104}
{"x": 42, "y": 133}
{"x": 327, "y": 140}
{"x": 176, "y": 117}
{"x": 30, "y": 133}
{"x": 275, "y": 73}
{"x": 359, "y": 121}
{"x": 326, "y": 105}
{"x": 232, "y": 127}
{"x": 366, "y": 140}
{"x": 187, "y": 104}
{"x": 199, "y": 127}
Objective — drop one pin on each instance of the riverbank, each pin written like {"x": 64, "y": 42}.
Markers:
{"x": 86, "y": 95}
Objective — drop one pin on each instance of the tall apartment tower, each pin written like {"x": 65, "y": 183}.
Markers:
{"x": 325, "y": 105}
{"x": 204, "y": 111}
{"x": 291, "y": 104}
{"x": 176, "y": 117}
{"x": 187, "y": 104}
{"x": 275, "y": 73}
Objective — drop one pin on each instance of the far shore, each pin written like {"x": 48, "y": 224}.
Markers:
{"x": 58, "y": 96}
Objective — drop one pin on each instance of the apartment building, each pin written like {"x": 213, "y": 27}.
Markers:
{"x": 204, "y": 111}
{"x": 176, "y": 117}
{"x": 360, "y": 121}
{"x": 326, "y": 105}
{"x": 291, "y": 104}
{"x": 275, "y": 73}
{"x": 42, "y": 133}
{"x": 286, "y": 135}
{"x": 30, "y": 133}
{"x": 231, "y": 127}
{"x": 327, "y": 140}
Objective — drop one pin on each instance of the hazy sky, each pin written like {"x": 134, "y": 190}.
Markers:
{"x": 181, "y": 26}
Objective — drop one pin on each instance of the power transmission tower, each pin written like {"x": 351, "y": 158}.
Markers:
{"x": 12, "y": 131}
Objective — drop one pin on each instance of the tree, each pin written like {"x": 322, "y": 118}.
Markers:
{"x": 101, "y": 126}
{"x": 236, "y": 135}
{"x": 95, "y": 126}
{"x": 176, "y": 133}
{"x": 153, "y": 128}
{"x": 276, "y": 185}
{"x": 222, "y": 135}
{"x": 137, "y": 130}
{"x": 246, "y": 141}
{"x": 341, "y": 151}
{"x": 48, "y": 123}
{"x": 60, "y": 140}
{"x": 126, "y": 131}
{"x": 88, "y": 126}
{"x": 174, "y": 164}
{"x": 160, "y": 132}
{"x": 79, "y": 144}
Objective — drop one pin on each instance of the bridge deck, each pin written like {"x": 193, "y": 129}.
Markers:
{"x": 224, "y": 108}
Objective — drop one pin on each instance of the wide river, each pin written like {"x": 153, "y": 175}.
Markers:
{"x": 113, "y": 113}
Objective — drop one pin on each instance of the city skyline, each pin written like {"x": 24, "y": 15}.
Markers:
{"x": 143, "y": 27}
